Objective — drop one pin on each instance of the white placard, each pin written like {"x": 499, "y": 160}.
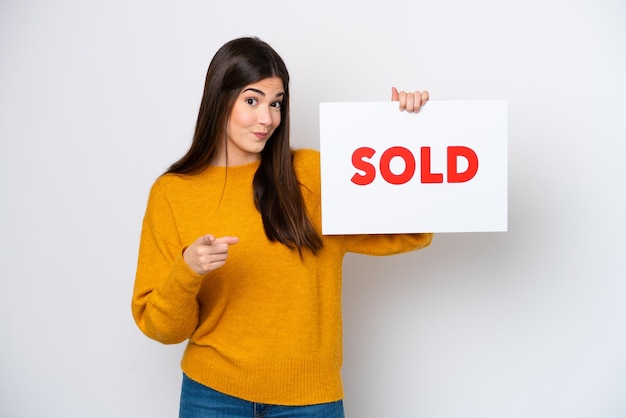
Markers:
{"x": 443, "y": 169}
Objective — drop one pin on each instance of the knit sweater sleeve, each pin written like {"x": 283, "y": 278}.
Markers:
{"x": 386, "y": 244}
{"x": 164, "y": 303}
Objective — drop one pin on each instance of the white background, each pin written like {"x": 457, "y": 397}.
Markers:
{"x": 98, "y": 98}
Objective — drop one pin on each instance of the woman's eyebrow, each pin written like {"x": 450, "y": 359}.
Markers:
{"x": 262, "y": 93}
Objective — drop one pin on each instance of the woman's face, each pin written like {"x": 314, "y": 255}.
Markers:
{"x": 252, "y": 121}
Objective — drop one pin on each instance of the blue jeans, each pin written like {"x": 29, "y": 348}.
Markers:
{"x": 199, "y": 401}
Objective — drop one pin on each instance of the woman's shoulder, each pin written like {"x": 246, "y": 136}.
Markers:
{"x": 306, "y": 163}
{"x": 306, "y": 154}
{"x": 307, "y": 159}
{"x": 168, "y": 180}
{"x": 170, "y": 184}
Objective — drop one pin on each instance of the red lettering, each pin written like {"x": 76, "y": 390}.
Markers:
{"x": 368, "y": 169}
{"x": 361, "y": 157}
{"x": 427, "y": 176}
{"x": 409, "y": 165}
{"x": 472, "y": 159}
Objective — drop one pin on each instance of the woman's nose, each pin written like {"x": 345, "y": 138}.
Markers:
{"x": 264, "y": 116}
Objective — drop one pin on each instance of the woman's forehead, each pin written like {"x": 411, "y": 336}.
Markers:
{"x": 270, "y": 86}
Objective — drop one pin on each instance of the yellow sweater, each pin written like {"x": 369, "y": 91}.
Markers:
{"x": 266, "y": 327}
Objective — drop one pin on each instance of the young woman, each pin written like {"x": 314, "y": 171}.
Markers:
{"x": 232, "y": 259}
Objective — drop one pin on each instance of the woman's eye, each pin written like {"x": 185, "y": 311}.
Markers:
{"x": 251, "y": 101}
{"x": 277, "y": 105}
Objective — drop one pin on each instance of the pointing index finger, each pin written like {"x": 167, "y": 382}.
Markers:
{"x": 228, "y": 240}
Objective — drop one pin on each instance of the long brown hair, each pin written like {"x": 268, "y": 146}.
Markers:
{"x": 277, "y": 193}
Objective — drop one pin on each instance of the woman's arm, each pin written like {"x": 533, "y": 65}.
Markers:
{"x": 386, "y": 244}
{"x": 164, "y": 303}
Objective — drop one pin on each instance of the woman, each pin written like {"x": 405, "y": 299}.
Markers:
{"x": 232, "y": 259}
